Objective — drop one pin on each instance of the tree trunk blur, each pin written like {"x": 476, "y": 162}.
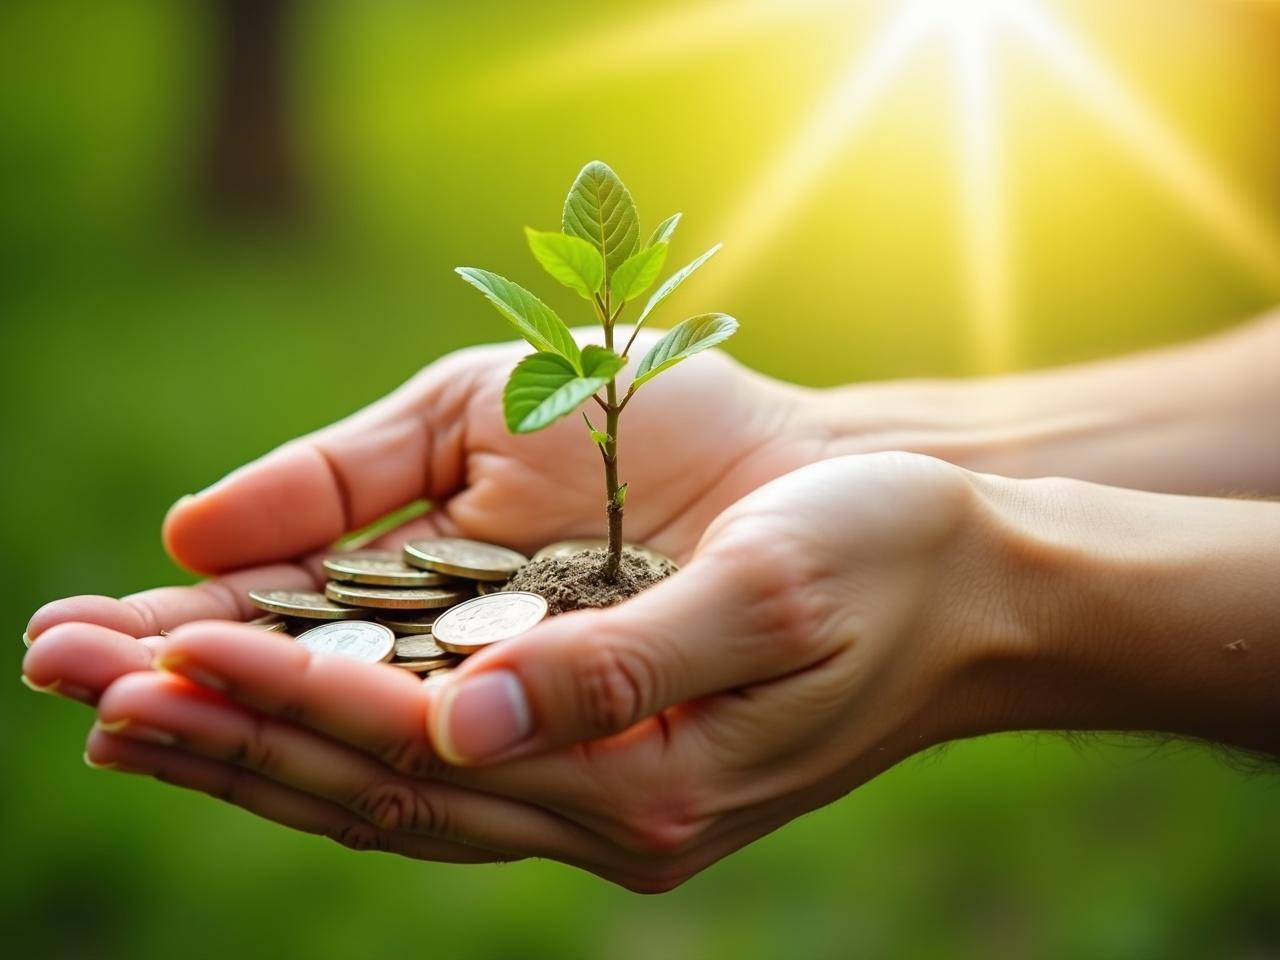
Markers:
{"x": 250, "y": 164}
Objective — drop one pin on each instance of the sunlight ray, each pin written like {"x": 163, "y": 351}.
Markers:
{"x": 1153, "y": 142}
{"x": 621, "y": 47}
{"x": 794, "y": 172}
{"x": 985, "y": 247}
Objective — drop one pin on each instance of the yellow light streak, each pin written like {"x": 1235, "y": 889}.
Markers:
{"x": 684, "y": 29}
{"x": 984, "y": 241}
{"x": 1174, "y": 161}
{"x": 794, "y": 172}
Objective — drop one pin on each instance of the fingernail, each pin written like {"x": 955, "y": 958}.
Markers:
{"x": 482, "y": 716}
{"x": 69, "y": 690}
{"x": 179, "y": 664}
{"x": 181, "y": 500}
{"x": 90, "y": 762}
{"x": 136, "y": 731}
{"x": 26, "y": 640}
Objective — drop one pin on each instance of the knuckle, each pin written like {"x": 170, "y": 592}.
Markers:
{"x": 660, "y": 833}
{"x": 392, "y": 807}
{"x": 255, "y": 750}
{"x": 359, "y": 836}
{"x": 415, "y": 759}
{"x": 782, "y": 595}
{"x": 615, "y": 688}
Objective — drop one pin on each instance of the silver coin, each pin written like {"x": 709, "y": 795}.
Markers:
{"x": 304, "y": 604}
{"x": 384, "y": 568}
{"x": 473, "y": 625}
{"x": 394, "y": 598}
{"x": 421, "y": 647}
{"x": 356, "y": 640}
{"x": 463, "y": 558}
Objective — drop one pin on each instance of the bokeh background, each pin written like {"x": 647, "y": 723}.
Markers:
{"x": 225, "y": 223}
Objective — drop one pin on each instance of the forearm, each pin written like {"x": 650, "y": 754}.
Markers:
{"x": 1202, "y": 417}
{"x": 1143, "y": 612}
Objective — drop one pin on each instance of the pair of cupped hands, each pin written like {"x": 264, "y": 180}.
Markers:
{"x": 805, "y": 646}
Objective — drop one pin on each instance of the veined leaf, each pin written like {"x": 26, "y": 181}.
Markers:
{"x": 571, "y": 260}
{"x": 599, "y": 209}
{"x": 545, "y": 386}
{"x": 636, "y": 274}
{"x": 664, "y": 230}
{"x": 532, "y": 318}
{"x": 600, "y": 362}
{"x": 683, "y": 341}
{"x": 669, "y": 285}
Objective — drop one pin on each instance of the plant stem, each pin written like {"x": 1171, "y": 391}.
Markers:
{"x": 614, "y": 559}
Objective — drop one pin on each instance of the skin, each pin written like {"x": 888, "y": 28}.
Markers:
{"x": 838, "y": 609}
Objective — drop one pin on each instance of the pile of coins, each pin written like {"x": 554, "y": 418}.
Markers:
{"x": 424, "y": 609}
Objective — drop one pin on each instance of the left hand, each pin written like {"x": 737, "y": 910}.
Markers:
{"x": 825, "y": 629}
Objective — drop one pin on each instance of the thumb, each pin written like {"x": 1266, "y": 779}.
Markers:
{"x": 714, "y": 626}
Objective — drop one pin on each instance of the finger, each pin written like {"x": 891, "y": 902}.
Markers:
{"x": 162, "y": 708}
{"x": 277, "y": 677}
{"x": 272, "y": 801}
{"x": 80, "y": 660}
{"x": 310, "y": 491}
{"x": 713, "y": 626}
{"x": 163, "y": 608}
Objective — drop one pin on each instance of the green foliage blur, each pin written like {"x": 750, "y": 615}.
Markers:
{"x": 155, "y": 334}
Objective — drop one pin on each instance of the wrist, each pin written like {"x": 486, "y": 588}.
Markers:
{"x": 1134, "y": 611}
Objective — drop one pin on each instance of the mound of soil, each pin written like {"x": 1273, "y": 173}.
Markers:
{"x": 577, "y": 581}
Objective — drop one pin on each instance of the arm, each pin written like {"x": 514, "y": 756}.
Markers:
{"x": 1201, "y": 418}
{"x": 1150, "y": 612}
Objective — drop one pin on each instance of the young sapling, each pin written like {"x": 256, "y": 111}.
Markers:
{"x": 598, "y": 254}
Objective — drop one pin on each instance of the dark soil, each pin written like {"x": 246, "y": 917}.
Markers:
{"x": 577, "y": 581}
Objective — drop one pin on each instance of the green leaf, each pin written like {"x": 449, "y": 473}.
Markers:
{"x": 635, "y": 274}
{"x": 620, "y": 496}
{"x": 669, "y": 285}
{"x": 600, "y": 362}
{"x": 599, "y": 209}
{"x": 571, "y": 260}
{"x": 545, "y": 386}
{"x": 532, "y": 318}
{"x": 664, "y": 230}
{"x": 683, "y": 341}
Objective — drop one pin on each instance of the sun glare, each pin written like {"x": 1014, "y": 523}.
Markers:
{"x": 971, "y": 31}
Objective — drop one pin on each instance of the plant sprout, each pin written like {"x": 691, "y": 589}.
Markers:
{"x": 598, "y": 254}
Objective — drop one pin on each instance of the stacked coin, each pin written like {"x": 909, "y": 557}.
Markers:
{"x": 417, "y": 609}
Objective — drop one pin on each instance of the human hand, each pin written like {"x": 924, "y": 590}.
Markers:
{"x": 441, "y": 436}
{"x": 825, "y": 628}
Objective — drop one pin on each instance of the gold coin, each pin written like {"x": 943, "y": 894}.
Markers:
{"x": 438, "y": 672}
{"x": 391, "y": 598}
{"x": 355, "y": 640}
{"x": 304, "y": 604}
{"x": 567, "y": 548}
{"x": 410, "y": 624}
{"x": 384, "y": 568}
{"x": 419, "y": 648}
{"x": 473, "y": 625}
{"x": 426, "y": 666}
{"x": 269, "y": 624}
{"x": 463, "y": 558}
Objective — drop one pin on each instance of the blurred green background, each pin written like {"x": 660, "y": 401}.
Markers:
{"x": 225, "y": 223}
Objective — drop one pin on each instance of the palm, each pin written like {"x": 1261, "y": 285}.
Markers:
{"x": 689, "y": 445}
